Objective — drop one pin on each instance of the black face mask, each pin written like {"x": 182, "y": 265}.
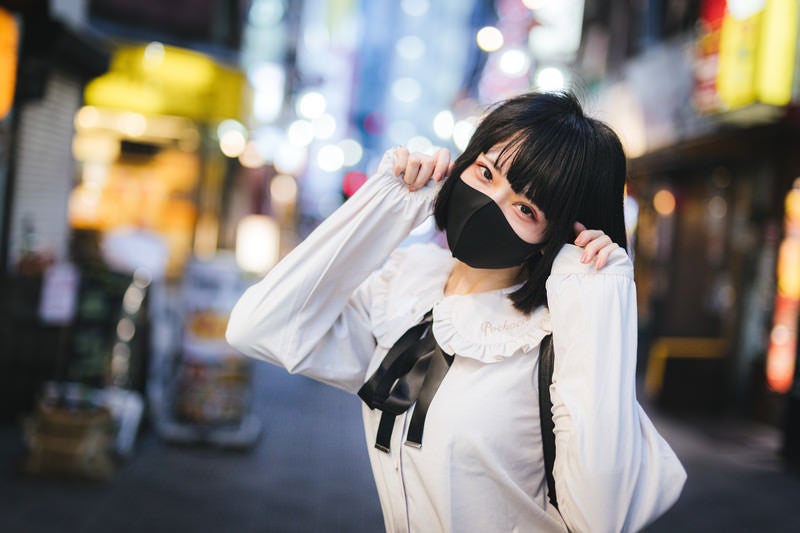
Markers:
{"x": 478, "y": 233}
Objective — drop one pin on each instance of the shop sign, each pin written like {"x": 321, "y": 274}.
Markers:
{"x": 782, "y": 353}
{"x": 706, "y": 60}
{"x": 9, "y": 37}
{"x": 165, "y": 80}
{"x": 776, "y": 52}
{"x": 757, "y": 52}
{"x": 59, "y": 294}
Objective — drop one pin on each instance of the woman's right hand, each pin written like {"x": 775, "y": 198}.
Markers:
{"x": 417, "y": 169}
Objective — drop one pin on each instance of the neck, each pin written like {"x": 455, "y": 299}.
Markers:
{"x": 465, "y": 279}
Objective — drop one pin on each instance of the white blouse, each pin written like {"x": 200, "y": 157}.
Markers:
{"x": 333, "y": 307}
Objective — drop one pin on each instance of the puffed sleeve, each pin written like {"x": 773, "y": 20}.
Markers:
{"x": 311, "y": 313}
{"x": 613, "y": 470}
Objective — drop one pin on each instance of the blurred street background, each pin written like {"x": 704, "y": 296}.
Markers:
{"x": 157, "y": 157}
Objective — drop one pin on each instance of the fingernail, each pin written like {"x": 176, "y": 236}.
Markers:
{"x": 584, "y": 258}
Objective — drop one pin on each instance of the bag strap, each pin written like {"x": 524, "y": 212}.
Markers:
{"x": 546, "y": 363}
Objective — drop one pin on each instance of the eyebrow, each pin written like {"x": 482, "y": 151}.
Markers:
{"x": 492, "y": 161}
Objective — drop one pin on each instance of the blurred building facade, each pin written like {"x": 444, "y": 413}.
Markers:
{"x": 704, "y": 96}
{"x": 202, "y": 127}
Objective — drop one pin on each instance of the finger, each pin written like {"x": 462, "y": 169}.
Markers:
{"x": 426, "y": 169}
{"x": 588, "y": 235}
{"x": 604, "y": 254}
{"x": 411, "y": 170}
{"x": 578, "y": 228}
{"x": 400, "y": 160}
{"x": 442, "y": 158}
{"x": 591, "y": 249}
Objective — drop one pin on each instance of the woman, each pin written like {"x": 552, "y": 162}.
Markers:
{"x": 337, "y": 310}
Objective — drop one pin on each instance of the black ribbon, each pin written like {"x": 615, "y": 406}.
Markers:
{"x": 411, "y": 371}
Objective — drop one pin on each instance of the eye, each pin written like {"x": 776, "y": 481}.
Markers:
{"x": 527, "y": 211}
{"x": 486, "y": 173}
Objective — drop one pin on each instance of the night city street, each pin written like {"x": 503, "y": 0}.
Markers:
{"x": 508, "y": 223}
{"x": 309, "y": 473}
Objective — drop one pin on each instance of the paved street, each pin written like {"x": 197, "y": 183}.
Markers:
{"x": 309, "y": 472}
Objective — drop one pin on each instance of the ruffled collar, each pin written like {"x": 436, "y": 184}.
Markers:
{"x": 486, "y": 326}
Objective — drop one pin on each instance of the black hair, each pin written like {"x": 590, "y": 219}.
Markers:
{"x": 570, "y": 165}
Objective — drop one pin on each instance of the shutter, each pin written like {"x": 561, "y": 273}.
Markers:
{"x": 45, "y": 168}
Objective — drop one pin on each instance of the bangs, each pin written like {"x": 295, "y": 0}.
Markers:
{"x": 540, "y": 166}
{"x": 571, "y": 166}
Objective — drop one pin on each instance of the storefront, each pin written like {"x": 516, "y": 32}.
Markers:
{"x": 710, "y": 222}
{"x": 712, "y": 148}
{"x": 45, "y": 67}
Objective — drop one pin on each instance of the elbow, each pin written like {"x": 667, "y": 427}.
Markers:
{"x": 237, "y": 332}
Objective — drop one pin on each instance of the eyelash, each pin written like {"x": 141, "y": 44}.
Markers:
{"x": 531, "y": 214}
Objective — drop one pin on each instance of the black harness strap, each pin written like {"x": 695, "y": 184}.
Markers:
{"x": 410, "y": 373}
{"x": 546, "y": 364}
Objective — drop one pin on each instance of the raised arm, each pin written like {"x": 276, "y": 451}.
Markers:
{"x": 613, "y": 471}
{"x": 309, "y": 314}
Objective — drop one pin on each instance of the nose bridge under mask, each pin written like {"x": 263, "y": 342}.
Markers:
{"x": 464, "y": 200}
{"x": 478, "y": 232}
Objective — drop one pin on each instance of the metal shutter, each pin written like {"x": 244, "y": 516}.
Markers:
{"x": 45, "y": 168}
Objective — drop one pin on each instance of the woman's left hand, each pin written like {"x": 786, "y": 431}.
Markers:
{"x": 596, "y": 244}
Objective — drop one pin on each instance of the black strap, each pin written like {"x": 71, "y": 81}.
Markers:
{"x": 546, "y": 363}
{"x": 440, "y": 364}
{"x": 411, "y": 372}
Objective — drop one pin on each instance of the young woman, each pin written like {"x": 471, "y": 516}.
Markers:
{"x": 443, "y": 345}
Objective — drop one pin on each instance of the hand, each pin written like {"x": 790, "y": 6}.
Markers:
{"x": 418, "y": 169}
{"x": 596, "y": 244}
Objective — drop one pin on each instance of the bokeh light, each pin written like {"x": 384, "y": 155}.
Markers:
{"x": 330, "y": 158}
{"x": 283, "y": 189}
{"x": 550, "y": 79}
{"x": 489, "y": 39}
{"x": 232, "y": 143}
{"x": 514, "y": 62}
{"x": 664, "y": 202}
{"x": 443, "y": 124}
{"x": 352, "y": 150}
{"x": 311, "y": 105}
{"x": 300, "y": 132}
{"x": 251, "y": 157}
{"x": 421, "y": 144}
{"x": 290, "y": 159}
{"x": 462, "y": 132}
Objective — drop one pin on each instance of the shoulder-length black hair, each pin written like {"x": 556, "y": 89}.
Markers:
{"x": 570, "y": 165}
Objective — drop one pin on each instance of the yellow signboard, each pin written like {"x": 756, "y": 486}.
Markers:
{"x": 164, "y": 80}
{"x": 757, "y": 52}
{"x": 9, "y": 36}
{"x": 776, "y": 52}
